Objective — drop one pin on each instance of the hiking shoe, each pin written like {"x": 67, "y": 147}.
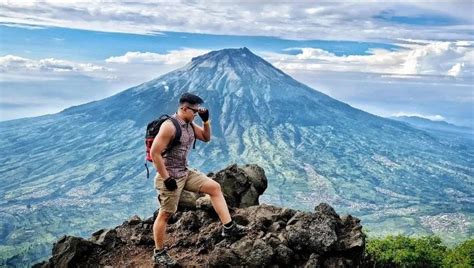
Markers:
{"x": 162, "y": 258}
{"x": 236, "y": 230}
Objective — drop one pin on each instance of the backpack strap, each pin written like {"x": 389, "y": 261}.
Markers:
{"x": 177, "y": 135}
{"x": 194, "y": 131}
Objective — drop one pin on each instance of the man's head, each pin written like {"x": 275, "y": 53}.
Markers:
{"x": 188, "y": 106}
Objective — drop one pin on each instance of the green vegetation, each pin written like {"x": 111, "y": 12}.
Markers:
{"x": 425, "y": 251}
{"x": 460, "y": 256}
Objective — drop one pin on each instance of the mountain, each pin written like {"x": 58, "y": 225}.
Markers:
{"x": 441, "y": 128}
{"x": 82, "y": 169}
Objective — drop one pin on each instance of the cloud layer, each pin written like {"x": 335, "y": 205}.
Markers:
{"x": 437, "y": 86}
{"x": 18, "y": 68}
{"x": 335, "y": 20}
{"x": 455, "y": 59}
{"x": 182, "y": 56}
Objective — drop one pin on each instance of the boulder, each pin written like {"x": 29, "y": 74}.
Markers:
{"x": 70, "y": 251}
{"x": 241, "y": 186}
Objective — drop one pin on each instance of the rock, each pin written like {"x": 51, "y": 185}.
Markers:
{"x": 243, "y": 247}
{"x": 283, "y": 255}
{"x": 277, "y": 237}
{"x": 334, "y": 262}
{"x": 351, "y": 239}
{"x": 313, "y": 232}
{"x": 189, "y": 221}
{"x": 326, "y": 210}
{"x": 313, "y": 261}
{"x": 139, "y": 233}
{"x": 187, "y": 201}
{"x": 204, "y": 203}
{"x": 134, "y": 220}
{"x": 71, "y": 251}
{"x": 141, "y": 236}
{"x": 106, "y": 238}
{"x": 223, "y": 257}
{"x": 260, "y": 254}
{"x": 257, "y": 176}
{"x": 242, "y": 186}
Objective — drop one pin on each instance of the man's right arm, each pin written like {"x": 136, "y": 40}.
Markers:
{"x": 161, "y": 141}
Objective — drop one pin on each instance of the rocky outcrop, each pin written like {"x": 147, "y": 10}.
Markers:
{"x": 241, "y": 187}
{"x": 277, "y": 236}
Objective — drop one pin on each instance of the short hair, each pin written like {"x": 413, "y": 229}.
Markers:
{"x": 190, "y": 98}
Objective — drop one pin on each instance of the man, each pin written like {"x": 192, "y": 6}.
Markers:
{"x": 173, "y": 174}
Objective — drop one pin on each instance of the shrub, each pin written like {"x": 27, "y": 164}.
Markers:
{"x": 405, "y": 251}
{"x": 461, "y": 256}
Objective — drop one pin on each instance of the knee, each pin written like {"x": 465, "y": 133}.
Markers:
{"x": 163, "y": 215}
{"x": 215, "y": 188}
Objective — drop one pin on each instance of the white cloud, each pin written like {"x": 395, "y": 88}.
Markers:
{"x": 436, "y": 117}
{"x": 32, "y": 87}
{"x": 173, "y": 57}
{"x": 335, "y": 20}
{"x": 149, "y": 65}
{"x": 416, "y": 59}
{"x": 13, "y": 66}
{"x": 456, "y": 69}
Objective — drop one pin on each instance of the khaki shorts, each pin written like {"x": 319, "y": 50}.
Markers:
{"x": 169, "y": 199}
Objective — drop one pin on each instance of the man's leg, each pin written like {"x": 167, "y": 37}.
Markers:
{"x": 160, "y": 254}
{"x": 213, "y": 189}
{"x": 168, "y": 204}
{"x": 198, "y": 182}
{"x": 159, "y": 229}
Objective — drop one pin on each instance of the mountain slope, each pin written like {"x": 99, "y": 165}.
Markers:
{"x": 87, "y": 161}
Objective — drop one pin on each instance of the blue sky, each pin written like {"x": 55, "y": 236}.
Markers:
{"x": 397, "y": 58}
{"x": 75, "y": 44}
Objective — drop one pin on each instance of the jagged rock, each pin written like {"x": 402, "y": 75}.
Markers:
{"x": 187, "y": 200}
{"x": 242, "y": 186}
{"x": 257, "y": 176}
{"x": 189, "y": 221}
{"x": 313, "y": 261}
{"x": 134, "y": 220}
{"x": 106, "y": 238}
{"x": 261, "y": 253}
{"x": 204, "y": 203}
{"x": 283, "y": 254}
{"x": 334, "y": 262}
{"x": 277, "y": 236}
{"x": 223, "y": 257}
{"x": 70, "y": 251}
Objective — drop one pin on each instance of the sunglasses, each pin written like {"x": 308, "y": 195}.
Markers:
{"x": 195, "y": 111}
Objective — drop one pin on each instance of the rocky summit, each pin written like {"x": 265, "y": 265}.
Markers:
{"x": 277, "y": 236}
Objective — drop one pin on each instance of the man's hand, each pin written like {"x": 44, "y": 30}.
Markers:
{"x": 170, "y": 183}
{"x": 204, "y": 114}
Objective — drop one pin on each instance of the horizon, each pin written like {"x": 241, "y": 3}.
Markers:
{"x": 398, "y": 59}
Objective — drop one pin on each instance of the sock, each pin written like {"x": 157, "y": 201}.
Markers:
{"x": 159, "y": 251}
{"x": 229, "y": 224}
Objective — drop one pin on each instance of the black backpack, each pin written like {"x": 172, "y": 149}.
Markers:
{"x": 152, "y": 130}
